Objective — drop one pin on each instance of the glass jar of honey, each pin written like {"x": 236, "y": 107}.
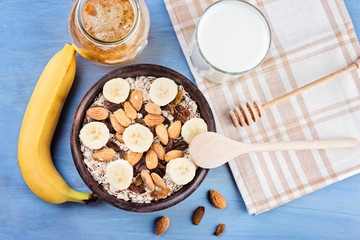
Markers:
{"x": 109, "y": 32}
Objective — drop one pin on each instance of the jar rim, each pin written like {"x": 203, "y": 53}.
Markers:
{"x": 128, "y": 35}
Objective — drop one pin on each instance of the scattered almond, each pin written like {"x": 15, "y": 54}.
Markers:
{"x": 198, "y": 215}
{"x": 151, "y": 159}
{"x": 157, "y": 180}
{"x": 219, "y": 229}
{"x": 173, "y": 154}
{"x": 161, "y": 225}
{"x": 145, "y": 176}
{"x": 153, "y": 120}
{"x": 134, "y": 157}
{"x": 116, "y": 125}
{"x": 97, "y": 113}
{"x": 122, "y": 118}
{"x": 174, "y": 129}
{"x": 217, "y": 199}
{"x": 162, "y": 133}
{"x": 106, "y": 154}
{"x": 161, "y": 193}
{"x": 152, "y": 108}
{"x": 130, "y": 110}
{"x": 136, "y": 99}
{"x": 119, "y": 137}
{"x": 159, "y": 150}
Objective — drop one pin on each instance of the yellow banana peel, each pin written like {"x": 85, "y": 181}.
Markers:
{"x": 38, "y": 126}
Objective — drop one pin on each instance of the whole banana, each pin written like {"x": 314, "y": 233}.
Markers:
{"x": 38, "y": 126}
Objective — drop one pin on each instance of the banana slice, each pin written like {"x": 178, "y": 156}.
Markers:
{"x": 138, "y": 138}
{"x": 192, "y": 128}
{"x": 116, "y": 90}
{"x": 181, "y": 170}
{"x": 94, "y": 135}
{"x": 119, "y": 174}
{"x": 163, "y": 91}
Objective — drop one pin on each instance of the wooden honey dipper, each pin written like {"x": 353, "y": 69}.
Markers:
{"x": 247, "y": 113}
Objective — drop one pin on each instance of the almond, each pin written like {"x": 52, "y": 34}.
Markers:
{"x": 136, "y": 99}
{"x": 97, "y": 113}
{"x": 134, "y": 157}
{"x": 161, "y": 225}
{"x": 219, "y": 229}
{"x": 217, "y": 199}
{"x": 159, "y": 150}
{"x": 174, "y": 129}
{"x": 119, "y": 137}
{"x": 152, "y": 108}
{"x": 153, "y": 120}
{"x": 198, "y": 215}
{"x": 157, "y": 180}
{"x": 160, "y": 193}
{"x": 130, "y": 110}
{"x": 145, "y": 176}
{"x": 122, "y": 118}
{"x": 151, "y": 159}
{"x": 105, "y": 155}
{"x": 173, "y": 154}
{"x": 116, "y": 125}
{"x": 162, "y": 133}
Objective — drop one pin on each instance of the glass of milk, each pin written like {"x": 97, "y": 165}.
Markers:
{"x": 232, "y": 37}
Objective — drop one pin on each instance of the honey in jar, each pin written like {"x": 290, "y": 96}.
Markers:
{"x": 109, "y": 31}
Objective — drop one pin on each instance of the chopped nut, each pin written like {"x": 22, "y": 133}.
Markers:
{"x": 160, "y": 193}
{"x": 181, "y": 113}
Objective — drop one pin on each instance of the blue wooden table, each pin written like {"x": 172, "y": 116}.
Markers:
{"x": 30, "y": 33}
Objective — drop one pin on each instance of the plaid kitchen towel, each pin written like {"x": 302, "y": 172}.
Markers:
{"x": 311, "y": 38}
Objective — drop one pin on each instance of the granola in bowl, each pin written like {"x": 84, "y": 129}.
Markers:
{"x": 135, "y": 136}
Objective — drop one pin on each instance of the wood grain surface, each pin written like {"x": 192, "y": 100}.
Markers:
{"x": 31, "y": 32}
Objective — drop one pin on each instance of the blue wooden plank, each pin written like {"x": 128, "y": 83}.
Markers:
{"x": 31, "y": 32}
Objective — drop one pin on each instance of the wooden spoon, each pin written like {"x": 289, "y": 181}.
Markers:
{"x": 211, "y": 150}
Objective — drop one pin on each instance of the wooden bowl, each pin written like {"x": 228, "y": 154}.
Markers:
{"x": 87, "y": 100}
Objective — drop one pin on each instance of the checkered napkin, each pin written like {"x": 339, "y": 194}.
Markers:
{"x": 311, "y": 38}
